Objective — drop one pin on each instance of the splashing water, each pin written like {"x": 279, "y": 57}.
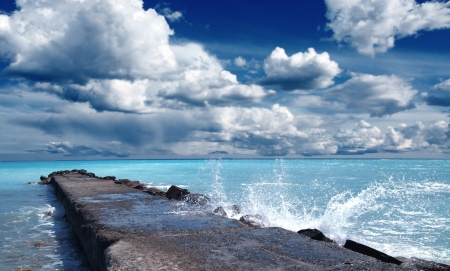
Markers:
{"x": 376, "y": 212}
{"x": 397, "y": 206}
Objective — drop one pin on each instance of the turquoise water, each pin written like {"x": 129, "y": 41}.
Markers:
{"x": 397, "y": 206}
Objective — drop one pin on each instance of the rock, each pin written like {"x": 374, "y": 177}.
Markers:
{"x": 315, "y": 234}
{"x": 49, "y": 213}
{"x": 363, "y": 249}
{"x": 419, "y": 264}
{"x": 44, "y": 180}
{"x": 176, "y": 192}
{"x": 122, "y": 181}
{"x": 254, "y": 221}
{"x": 220, "y": 211}
{"x": 82, "y": 171}
{"x": 199, "y": 199}
{"x": 90, "y": 174}
{"x": 38, "y": 244}
{"x": 32, "y": 182}
{"x": 236, "y": 209}
{"x": 155, "y": 192}
{"x": 112, "y": 178}
{"x": 133, "y": 184}
{"x": 24, "y": 268}
{"x": 139, "y": 187}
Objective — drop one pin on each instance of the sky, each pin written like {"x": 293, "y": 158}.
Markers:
{"x": 131, "y": 79}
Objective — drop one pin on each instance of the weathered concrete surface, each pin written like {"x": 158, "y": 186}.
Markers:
{"x": 121, "y": 228}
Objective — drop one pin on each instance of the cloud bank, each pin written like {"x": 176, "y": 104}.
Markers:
{"x": 115, "y": 56}
{"x": 372, "y": 26}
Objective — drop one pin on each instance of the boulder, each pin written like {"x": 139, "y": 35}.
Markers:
{"x": 254, "y": 221}
{"x": 44, "y": 180}
{"x": 419, "y": 264}
{"x": 315, "y": 234}
{"x": 133, "y": 184}
{"x": 220, "y": 211}
{"x": 199, "y": 199}
{"x": 363, "y": 249}
{"x": 139, "y": 187}
{"x": 90, "y": 174}
{"x": 176, "y": 192}
{"x": 155, "y": 192}
{"x": 235, "y": 209}
{"x": 82, "y": 171}
{"x": 112, "y": 178}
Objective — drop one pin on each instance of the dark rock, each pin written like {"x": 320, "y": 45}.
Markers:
{"x": 122, "y": 181}
{"x": 82, "y": 171}
{"x": 199, "y": 199}
{"x": 74, "y": 170}
{"x": 363, "y": 249}
{"x": 176, "y": 192}
{"x": 49, "y": 213}
{"x": 220, "y": 211}
{"x": 155, "y": 192}
{"x": 44, "y": 180}
{"x": 315, "y": 234}
{"x": 236, "y": 209}
{"x": 32, "y": 182}
{"x": 419, "y": 264}
{"x": 254, "y": 221}
{"x": 133, "y": 184}
{"x": 38, "y": 244}
{"x": 140, "y": 187}
{"x": 90, "y": 174}
{"x": 112, "y": 178}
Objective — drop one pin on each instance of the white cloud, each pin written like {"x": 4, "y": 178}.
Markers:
{"x": 273, "y": 132}
{"x": 172, "y": 16}
{"x": 371, "y": 26}
{"x": 75, "y": 41}
{"x": 240, "y": 61}
{"x": 444, "y": 86}
{"x": 301, "y": 71}
{"x": 115, "y": 56}
{"x": 377, "y": 95}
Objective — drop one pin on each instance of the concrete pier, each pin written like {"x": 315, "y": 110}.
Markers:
{"x": 121, "y": 228}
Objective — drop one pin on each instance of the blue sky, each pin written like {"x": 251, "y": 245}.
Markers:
{"x": 110, "y": 79}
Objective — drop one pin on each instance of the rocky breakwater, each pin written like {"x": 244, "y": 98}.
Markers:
{"x": 125, "y": 225}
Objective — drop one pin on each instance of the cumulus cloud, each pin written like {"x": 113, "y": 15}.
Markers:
{"x": 274, "y": 132}
{"x": 301, "y": 71}
{"x": 439, "y": 94}
{"x": 240, "y": 61}
{"x": 371, "y": 26}
{"x": 377, "y": 95}
{"x": 365, "y": 138}
{"x": 443, "y": 86}
{"x": 113, "y": 55}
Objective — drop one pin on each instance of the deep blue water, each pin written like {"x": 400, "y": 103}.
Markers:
{"x": 397, "y": 206}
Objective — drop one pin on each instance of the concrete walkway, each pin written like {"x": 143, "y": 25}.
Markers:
{"x": 121, "y": 228}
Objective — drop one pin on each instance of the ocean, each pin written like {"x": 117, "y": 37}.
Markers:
{"x": 400, "y": 207}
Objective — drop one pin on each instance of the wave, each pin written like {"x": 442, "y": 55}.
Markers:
{"x": 397, "y": 215}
